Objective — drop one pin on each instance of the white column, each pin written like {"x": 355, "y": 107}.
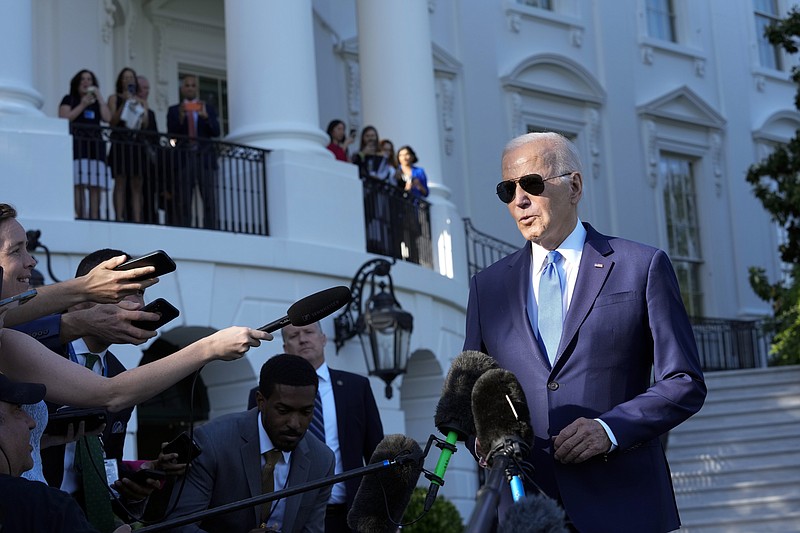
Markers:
{"x": 17, "y": 95}
{"x": 272, "y": 81}
{"x": 398, "y": 95}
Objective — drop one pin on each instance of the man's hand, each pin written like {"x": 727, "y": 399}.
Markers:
{"x": 580, "y": 441}
{"x": 110, "y": 322}
{"x": 168, "y": 462}
{"x": 103, "y": 284}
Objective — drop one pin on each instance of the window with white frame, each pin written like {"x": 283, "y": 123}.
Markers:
{"x": 541, "y": 4}
{"x": 766, "y": 13}
{"x": 660, "y": 16}
{"x": 683, "y": 233}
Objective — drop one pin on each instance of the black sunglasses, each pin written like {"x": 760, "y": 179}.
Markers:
{"x": 530, "y": 183}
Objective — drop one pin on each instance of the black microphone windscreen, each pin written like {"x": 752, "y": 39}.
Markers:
{"x": 317, "y": 306}
{"x": 535, "y": 513}
{"x": 495, "y": 417}
{"x": 454, "y": 410}
{"x": 392, "y": 486}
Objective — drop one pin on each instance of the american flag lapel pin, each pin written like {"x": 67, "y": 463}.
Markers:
{"x": 598, "y": 265}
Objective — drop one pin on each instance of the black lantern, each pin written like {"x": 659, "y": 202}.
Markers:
{"x": 382, "y": 326}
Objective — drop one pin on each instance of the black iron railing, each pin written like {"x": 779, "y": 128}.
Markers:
{"x": 483, "y": 249}
{"x": 140, "y": 176}
{"x": 397, "y": 224}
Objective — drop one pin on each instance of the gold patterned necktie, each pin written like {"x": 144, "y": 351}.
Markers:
{"x": 268, "y": 481}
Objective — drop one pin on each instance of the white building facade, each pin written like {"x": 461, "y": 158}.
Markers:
{"x": 669, "y": 102}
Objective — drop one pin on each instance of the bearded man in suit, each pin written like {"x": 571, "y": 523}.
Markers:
{"x": 582, "y": 319}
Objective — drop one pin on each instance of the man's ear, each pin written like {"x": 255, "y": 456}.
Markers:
{"x": 260, "y": 400}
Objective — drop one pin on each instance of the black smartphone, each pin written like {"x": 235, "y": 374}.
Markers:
{"x": 141, "y": 476}
{"x": 162, "y": 307}
{"x": 21, "y": 297}
{"x": 159, "y": 259}
{"x": 57, "y": 422}
{"x": 186, "y": 448}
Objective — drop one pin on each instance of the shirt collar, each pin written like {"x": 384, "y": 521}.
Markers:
{"x": 324, "y": 373}
{"x": 79, "y": 345}
{"x": 264, "y": 442}
{"x": 571, "y": 248}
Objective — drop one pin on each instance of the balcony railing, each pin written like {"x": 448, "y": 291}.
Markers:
{"x": 722, "y": 344}
{"x": 397, "y": 224}
{"x": 170, "y": 179}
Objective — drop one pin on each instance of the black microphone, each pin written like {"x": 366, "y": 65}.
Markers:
{"x": 312, "y": 308}
{"x": 382, "y": 497}
{"x": 535, "y": 513}
{"x": 453, "y": 416}
{"x": 503, "y": 429}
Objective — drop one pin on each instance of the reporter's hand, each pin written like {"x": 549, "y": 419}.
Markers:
{"x": 103, "y": 284}
{"x": 580, "y": 441}
{"x": 133, "y": 491}
{"x": 232, "y": 343}
{"x": 112, "y": 322}
{"x": 168, "y": 462}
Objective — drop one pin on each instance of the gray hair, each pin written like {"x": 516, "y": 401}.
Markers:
{"x": 561, "y": 155}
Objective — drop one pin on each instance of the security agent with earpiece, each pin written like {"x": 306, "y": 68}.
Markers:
{"x": 30, "y": 505}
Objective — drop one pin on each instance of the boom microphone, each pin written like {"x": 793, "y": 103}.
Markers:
{"x": 535, "y": 513}
{"x": 454, "y": 411}
{"x": 312, "y": 308}
{"x": 502, "y": 425}
{"x": 382, "y": 497}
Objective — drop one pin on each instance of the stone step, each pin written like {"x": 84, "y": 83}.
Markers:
{"x": 716, "y": 463}
{"x": 743, "y": 401}
{"x": 743, "y": 418}
{"x": 739, "y": 512}
{"x": 776, "y": 522}
{"x": 692, "y": 483}
{"x": 691, "y": 435}
{"x": 734, "y": 447}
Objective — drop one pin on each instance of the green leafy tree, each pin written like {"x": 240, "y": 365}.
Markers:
{"x": 776, "y": 183}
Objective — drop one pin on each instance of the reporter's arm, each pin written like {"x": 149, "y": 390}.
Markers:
{"x": 24, "y": 359}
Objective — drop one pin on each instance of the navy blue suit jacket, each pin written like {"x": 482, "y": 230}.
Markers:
{"x": 206, "y": 129}
{"x": 625, "y": 318}
{"x": 358, "y": 422}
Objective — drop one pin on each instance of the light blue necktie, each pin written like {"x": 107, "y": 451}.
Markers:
{"x": 550, "y": 314}
{"x": 317, "y": 426}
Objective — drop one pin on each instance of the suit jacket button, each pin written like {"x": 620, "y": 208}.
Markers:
{"x": 553, "y": 385}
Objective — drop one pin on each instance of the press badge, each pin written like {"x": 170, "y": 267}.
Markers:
{"x": 112, "y": 473}
{"x": 88, "y": 113}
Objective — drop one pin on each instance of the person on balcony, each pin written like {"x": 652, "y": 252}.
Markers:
{"x": 129, "y": 114}
{"x": 338, "y": 140}
{"x": 195, "y": 161}
{"x": 151, "y": 157}
{"x": 84, "y": 107}
{"x": 409, "y": 176}
{"x": 387, "y": 150}
{"x": 371, "y": 162}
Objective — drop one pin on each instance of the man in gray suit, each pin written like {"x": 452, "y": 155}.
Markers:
{"x": 236, "y": 448}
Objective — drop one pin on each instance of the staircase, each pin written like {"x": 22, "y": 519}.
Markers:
{"x": 736, "y": 464}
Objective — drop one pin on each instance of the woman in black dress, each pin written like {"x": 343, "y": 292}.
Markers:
{"x": 84, "y": 107}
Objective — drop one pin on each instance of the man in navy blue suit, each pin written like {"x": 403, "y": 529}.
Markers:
{"x": 195, "y": 159}
{"x": 352, "y": 423}
{"x": 596, "y": 413}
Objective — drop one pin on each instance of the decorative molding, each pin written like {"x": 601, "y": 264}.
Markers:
{"x": 594, "y": 141}
{"x": 431, "y": 6}
{"x": 446, "y": 100}
{"x": 353, "y": 76}
{"x": 651, "y": 145}
{"x": 517, "y": 122}
{"x": 647, "y": 55}
{"x": 130, "y": 33}
{"x": 576, "y": 37}
{"x": 716, "y": 161}
{"x": 107, "y": 25}
{"x": 514, "y": 21}
{"x": 761, "y": 82}
{"x": 700, "y": 67}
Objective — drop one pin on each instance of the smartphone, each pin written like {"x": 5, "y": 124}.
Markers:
{"x": 141, "y": 476}
{"x": 193, "y": 106}
{"x": 159, "y": 259}
{"x": 57, "y": 422}
{"x": 131, "y": 88}
{"x": 186, "y": 448}
{"x": 353, "y": 132}
{"x": 21, "y": 297}
{"x": 167, "y": 311}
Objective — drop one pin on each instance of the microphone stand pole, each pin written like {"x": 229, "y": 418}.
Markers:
{"x": 277, "y": 495}
{"x": 485, "y": 511}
